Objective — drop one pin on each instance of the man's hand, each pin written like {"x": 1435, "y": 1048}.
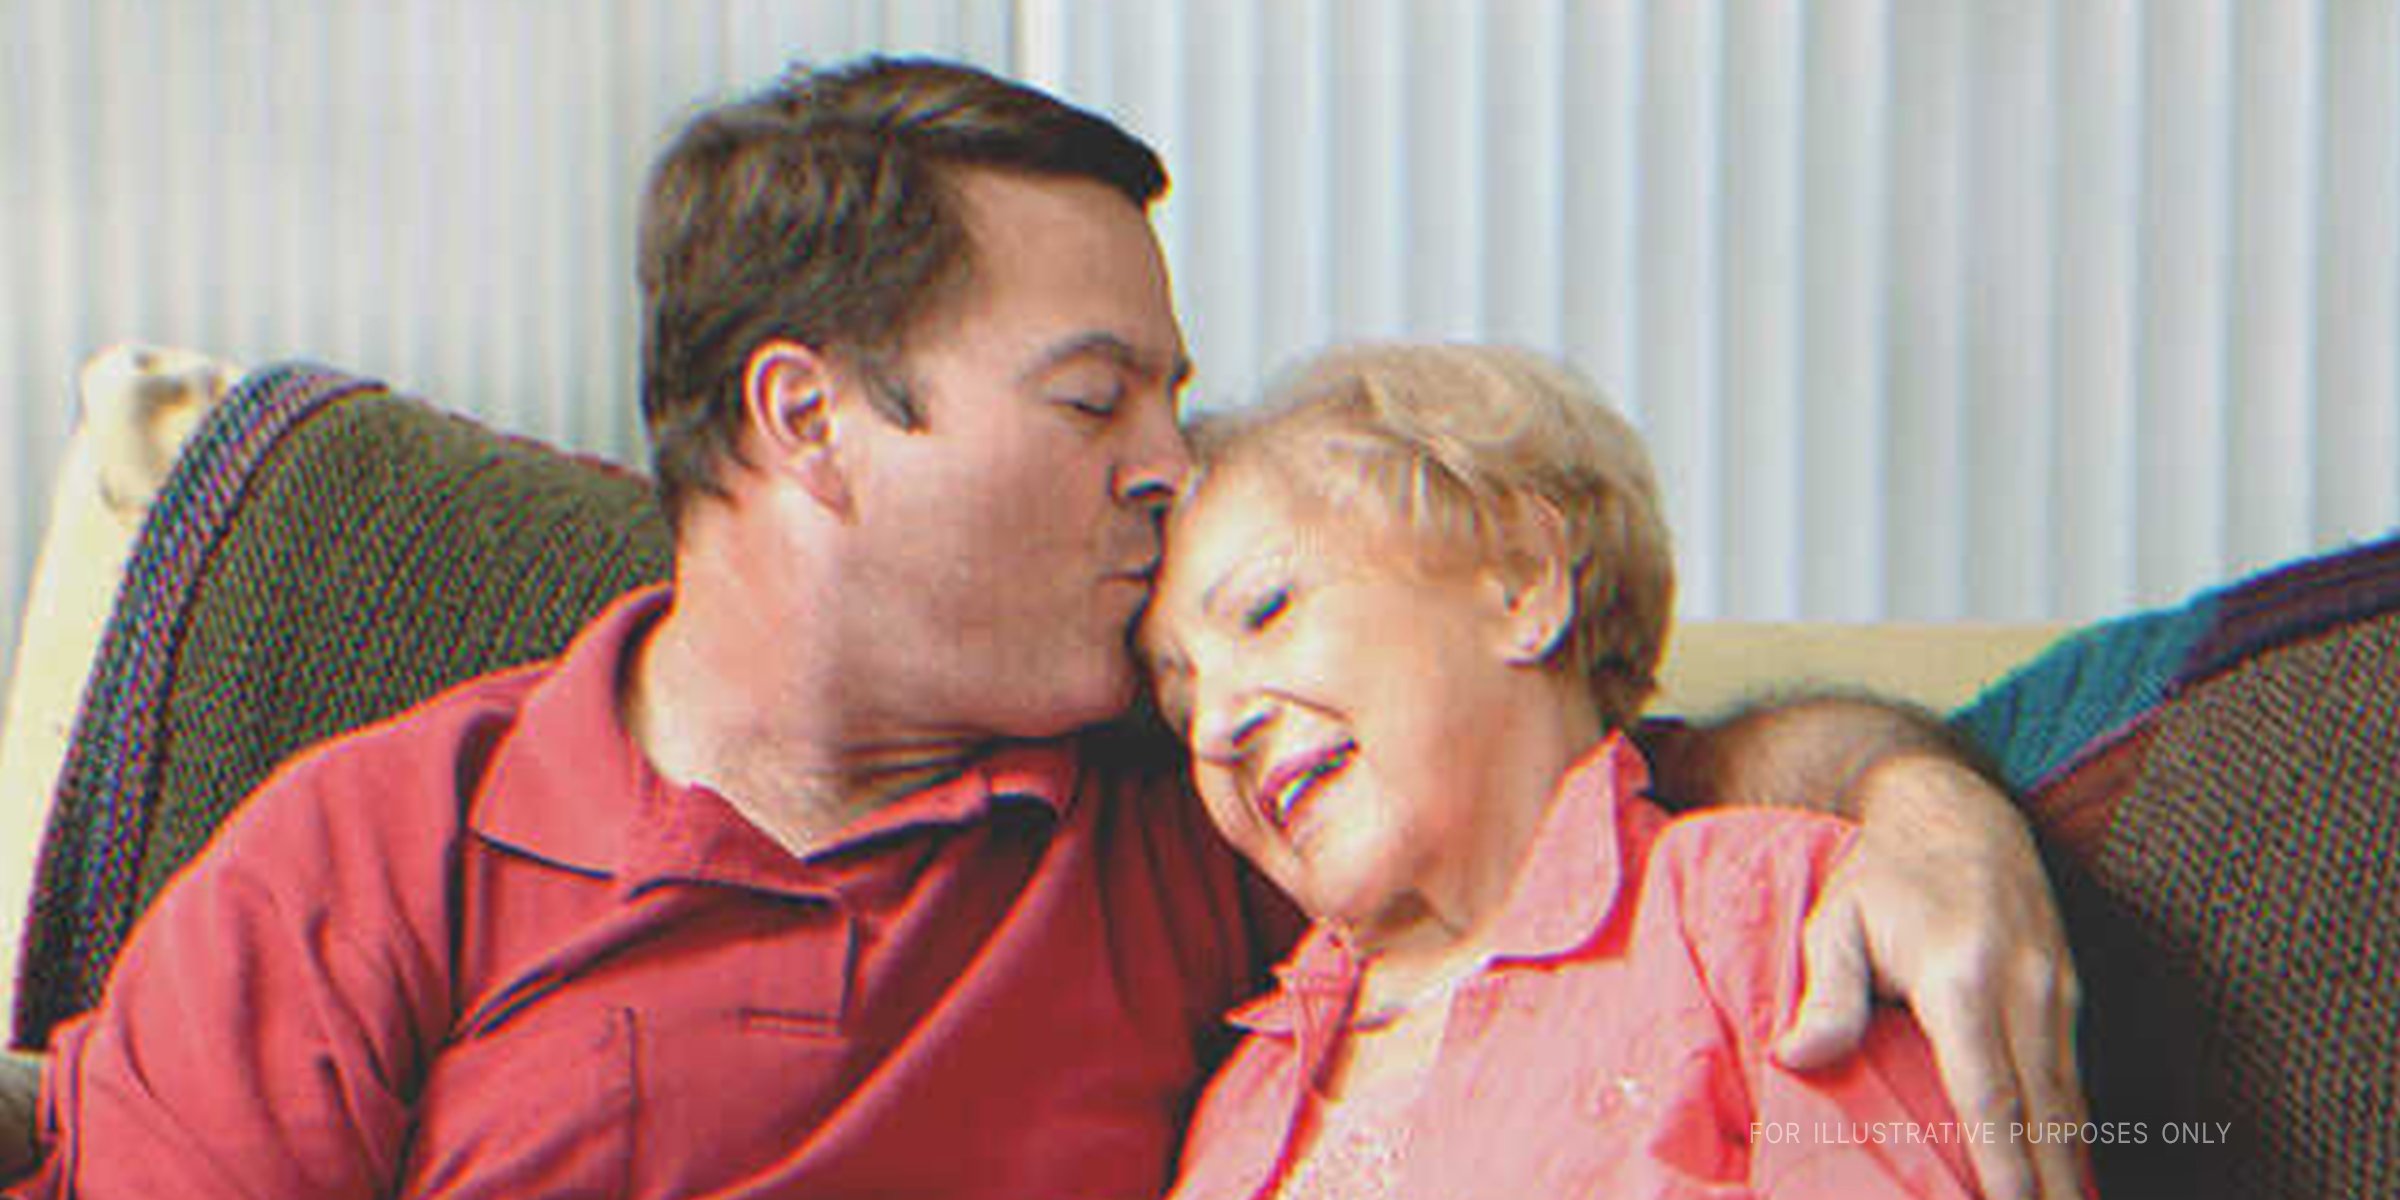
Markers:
{"x": 1943, "y": 903}
{"x": 20, "y": 1112}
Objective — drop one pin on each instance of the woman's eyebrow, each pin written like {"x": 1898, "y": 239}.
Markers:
{"x": 1251, "y": 565}
{"x": 1213, "y": 598}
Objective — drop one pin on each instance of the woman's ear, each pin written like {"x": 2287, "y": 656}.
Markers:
{"x": 1536, "y": 583}
{"x": 787, "y": 403}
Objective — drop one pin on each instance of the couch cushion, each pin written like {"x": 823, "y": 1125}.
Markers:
{"x": 1717, "y": 666}
{"x": 2220, "y": 784}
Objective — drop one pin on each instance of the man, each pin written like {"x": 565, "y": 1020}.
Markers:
{"x": 828, "y": 873}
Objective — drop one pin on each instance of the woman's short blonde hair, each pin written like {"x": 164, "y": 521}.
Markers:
{"x": 1459, "y": 445}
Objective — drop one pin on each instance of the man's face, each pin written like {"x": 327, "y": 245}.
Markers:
{"x": 1010, "y": 542}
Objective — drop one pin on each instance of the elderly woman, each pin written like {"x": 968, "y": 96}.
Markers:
{"x": 1412, "y": 603}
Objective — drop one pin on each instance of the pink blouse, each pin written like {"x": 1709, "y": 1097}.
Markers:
{"x": 1616, "y": 1044}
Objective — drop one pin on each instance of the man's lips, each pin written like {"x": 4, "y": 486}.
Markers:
{"x": 1142, "y": 582}
{"x": 1295, "y": 780}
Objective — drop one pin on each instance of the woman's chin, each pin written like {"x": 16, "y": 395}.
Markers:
{"x": 1372, "y": 921}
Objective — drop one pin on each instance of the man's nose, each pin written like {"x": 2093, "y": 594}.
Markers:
{"x": 1158, "y": 464}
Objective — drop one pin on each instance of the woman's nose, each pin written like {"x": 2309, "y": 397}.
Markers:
{"x": 1224, "y": 731}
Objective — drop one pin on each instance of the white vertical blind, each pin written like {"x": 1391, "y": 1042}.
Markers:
{"x": 2180, "y": 475}
{"x": 1765, "y": 47}
{"x": 1924, "y": 460}
{"x": 1369, "y": 196}
{"x": 2008, "y": 435}
{"x": 1444, "y": 177}
{"x": 2358, "y": 295}
{"x": 1600, "y": 225}
{"x": 2273, "y": 196}
{"x": 1291, "y": 271}
{"x": 1931, "y": 308}
{"x": 1222, "y": 176}
{"x": 1523, "y": 128}
{"x": 1846, "y": 75}
{"x": 2094, "y": 311}
{"x": 1676, "y": 273}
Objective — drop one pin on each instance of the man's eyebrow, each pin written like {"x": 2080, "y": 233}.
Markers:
{"x": 1175, "y": 371}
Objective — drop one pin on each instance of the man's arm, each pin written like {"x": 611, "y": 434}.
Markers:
{"x": 265, "y": 1025}
{"x": 20, "y": 1112}
{"x": 1943, "y": 904}
{"x": 1805, "y": 752}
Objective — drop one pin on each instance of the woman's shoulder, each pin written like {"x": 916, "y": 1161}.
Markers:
{"x": 1734, "y": 889}
{"x": 1732, "y": 846}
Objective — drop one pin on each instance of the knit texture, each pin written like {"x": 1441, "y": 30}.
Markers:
{"x": 2218, "y": 788}
{"x": 2260, "y": 853}
{"x": 324, "y": 555}
{"x": 2099, "y": 683}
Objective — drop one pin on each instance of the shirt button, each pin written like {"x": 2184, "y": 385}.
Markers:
{"x": 1612, "y": 1095}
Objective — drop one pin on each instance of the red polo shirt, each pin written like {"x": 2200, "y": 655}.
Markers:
{"x": 484, "y": 950}
{"x": 1615, "y": 1045}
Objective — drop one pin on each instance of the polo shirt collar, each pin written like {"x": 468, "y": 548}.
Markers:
{"x": 1574, "y": 875}
{"x": 570, "y": 788}
{"x": 1571, "y": 884}
{"x": 556, "y": 789}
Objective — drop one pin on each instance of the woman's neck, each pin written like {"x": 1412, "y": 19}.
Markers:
{"x": 1443, "y": 932}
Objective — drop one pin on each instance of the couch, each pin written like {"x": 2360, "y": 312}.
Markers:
{"x": 239, "y": 563}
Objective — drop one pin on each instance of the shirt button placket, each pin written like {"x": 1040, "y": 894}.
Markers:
{"x": 808, "y": 989}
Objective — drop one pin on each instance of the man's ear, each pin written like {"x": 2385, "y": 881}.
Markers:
{"x": 787, "y": 402}
{"x": 1534, "y": 583}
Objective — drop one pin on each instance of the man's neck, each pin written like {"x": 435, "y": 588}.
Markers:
{"x": 707, "y": 703}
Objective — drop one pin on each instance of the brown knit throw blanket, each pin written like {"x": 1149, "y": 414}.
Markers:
{"x": 324, "y": 555}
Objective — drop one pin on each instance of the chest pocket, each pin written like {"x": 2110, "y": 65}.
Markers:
{"x": 542, "y": 1106}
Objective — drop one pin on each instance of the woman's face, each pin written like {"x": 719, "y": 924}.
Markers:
{"x": 1344, "y": 700}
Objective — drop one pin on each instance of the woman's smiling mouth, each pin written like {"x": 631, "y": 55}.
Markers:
{"x": 1296, "y": 780}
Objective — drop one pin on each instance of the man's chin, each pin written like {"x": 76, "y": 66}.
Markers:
{"x": 1057, "y": 715}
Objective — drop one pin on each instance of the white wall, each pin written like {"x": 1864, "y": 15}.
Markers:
{"x": 1932, "y": 308}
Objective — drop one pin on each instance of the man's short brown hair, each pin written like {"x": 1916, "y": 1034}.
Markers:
{"x": 819, "y": 211}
